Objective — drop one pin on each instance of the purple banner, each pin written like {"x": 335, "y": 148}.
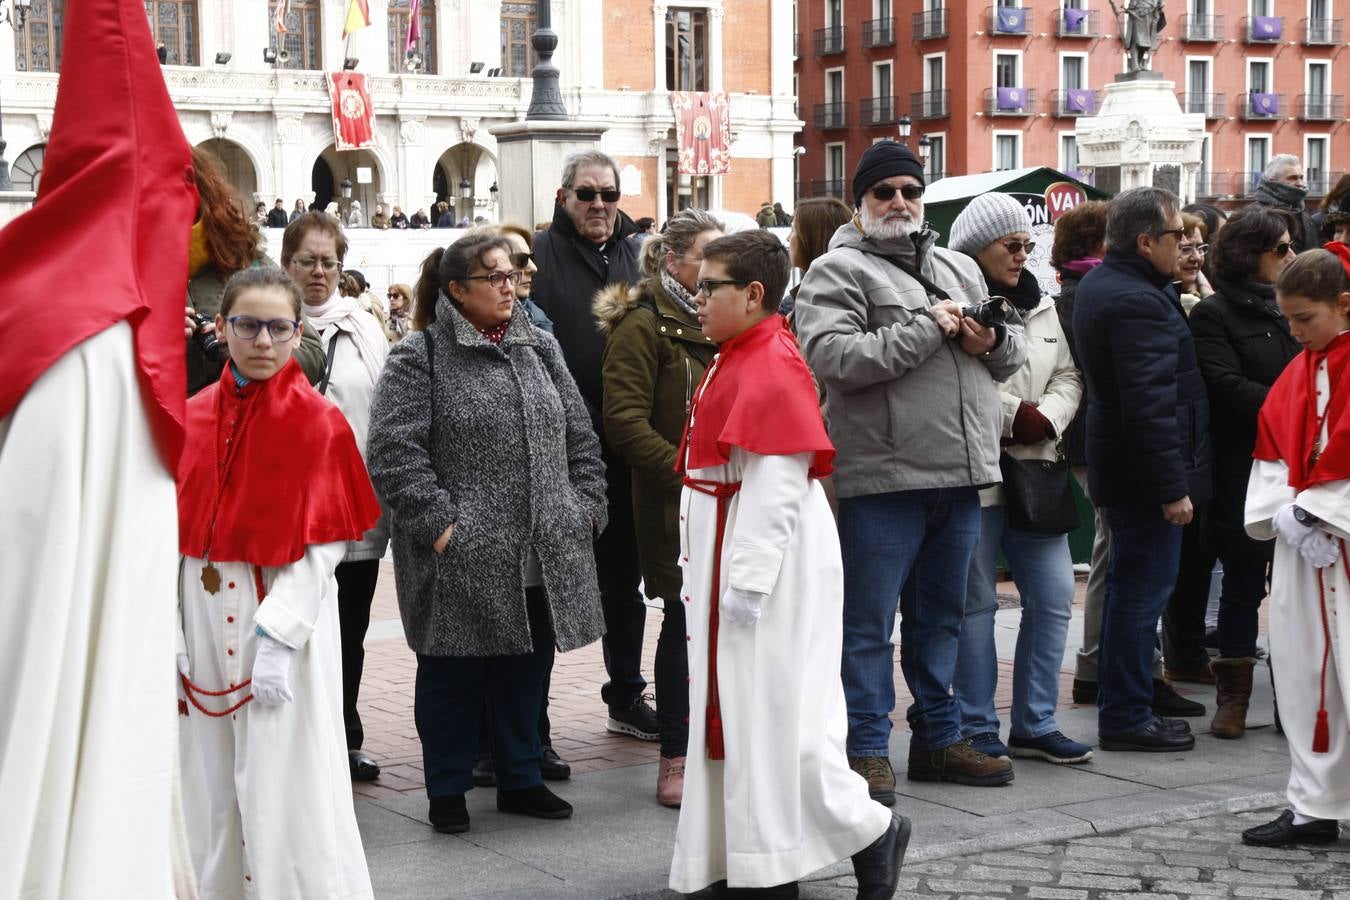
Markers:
{"x": 1010, "y": 98}
{"x": 1267, "y": 28}
{"x": 1079, "y": 100}
{"x": 1266, "y": 104}
{"x": 1010, "y": 20}
{"x": 1074, "y": 18}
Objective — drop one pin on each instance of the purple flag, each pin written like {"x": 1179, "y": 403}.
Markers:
{"x": 1074, "y": 18}
{"x": 1079, "y": 100}
{"x": 1010, "y": 20}
{"x": 414, "y": 26}
{"x": 1267, "y": 28}
{"x": 1266, "y": 104}
{"x": 1010, "y": 98}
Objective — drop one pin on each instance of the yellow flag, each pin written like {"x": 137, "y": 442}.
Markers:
{"x": 358, "y": 17}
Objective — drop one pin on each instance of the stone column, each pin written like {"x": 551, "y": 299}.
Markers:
{"x": 411, "y": 149}
{"x": 291, "y": 177}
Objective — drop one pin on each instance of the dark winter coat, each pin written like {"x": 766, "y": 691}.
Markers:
{"x": 499, "y": 444}
{"x": 1075, "y": 436}
{"x": 1148, "y": 416}
{"x": 572, "y": 270}
{"x": 1243, "y": 344}
{"x": 653, "y": 362}
{"x": 278, "y": 218}
{"x": 1306, "y": 233}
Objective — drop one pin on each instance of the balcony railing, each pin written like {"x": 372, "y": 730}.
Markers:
{"x": 930, "y": 104}
{"x": 1210, "y": 185}
{"x": 877, "y": 111}
{"x": 879, "y": 33}
{"x": 1014, "y": 20}
{"x": 1321, "y": 183}
{"x": 1211, "y": 106}
{"x": 1202, "y": 29}
{"x": 1321, "y": 107}
{"x": 1259, "y": 106}
{"x": 825, "y": 187}
{"x": 931, "y": 24}
{"x": 831, "y": 115}
{"x": 1081, "y": 23}
{"x": 1263, "y": 29}
{"x": 1009, "y": 101}
{"x": 1320, "y": 31}
{"x": 829, "y": 40}
{"x": 1073, "y": 102}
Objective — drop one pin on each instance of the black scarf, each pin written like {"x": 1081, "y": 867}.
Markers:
{"x": 1025, "y": 295}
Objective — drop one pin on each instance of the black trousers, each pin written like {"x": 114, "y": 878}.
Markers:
{"x": 356, "y": 589}
{"x": 620, "y": 572}
{"x": 1184, "y": 619}
{"x": 448, "y": 708}
{"x": 672, "y": 681}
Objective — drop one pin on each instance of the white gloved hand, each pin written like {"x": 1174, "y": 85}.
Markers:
{"x": 741, "y": 607}
{"x": 1319, "y": 549}
{"x": 270, "y": 667}
{"x": 185, "y": 670}
{"x": 1288, "y": 526}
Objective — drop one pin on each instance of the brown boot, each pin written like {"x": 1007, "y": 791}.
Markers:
{"x": 1234, "y": 677}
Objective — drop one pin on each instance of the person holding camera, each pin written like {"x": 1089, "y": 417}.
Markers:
{"x": 908, "y": 351}
{"x": 1028, "y": 517}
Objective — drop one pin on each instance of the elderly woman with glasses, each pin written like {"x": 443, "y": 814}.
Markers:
{"x": 1243, "y": 344}
{"x": 483, "y": 451}
{"x": 1191, "y": 282}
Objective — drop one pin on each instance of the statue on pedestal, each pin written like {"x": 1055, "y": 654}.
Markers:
{"x": 1142, "y": 27}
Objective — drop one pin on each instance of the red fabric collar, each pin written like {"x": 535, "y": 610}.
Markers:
{"x": 267, "y": 471}
{"x": 758, "y": 395}
{"x": 1288, "y": 423}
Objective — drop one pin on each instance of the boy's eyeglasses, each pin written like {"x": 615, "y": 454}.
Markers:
{"x": 884, "y": 192}
{"x": 587, "y": 195}
{"x": 707, "y": 287}
{"x": 1281, "y": 249}
{"x": 497, "y": 279}
{"x": 1194, "y": 249}
{"x": 248, "y": 328}
{"x": 307, "y": 262}
{"x": 521, "y": 260}
{"x": 1016, "y": 247}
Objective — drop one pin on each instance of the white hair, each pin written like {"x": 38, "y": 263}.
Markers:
{"x": 1279, "y": 161}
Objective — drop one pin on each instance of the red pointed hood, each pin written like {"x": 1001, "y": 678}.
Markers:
{"x": 107, "y": 241}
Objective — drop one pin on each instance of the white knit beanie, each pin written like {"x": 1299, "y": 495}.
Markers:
{"x": 985, "y": 219}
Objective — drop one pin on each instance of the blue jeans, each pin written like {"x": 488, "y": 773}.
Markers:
{"x": 921, "y": 541}
{"x": 1145, "y": 559}
{"x": 1043, "y": 571}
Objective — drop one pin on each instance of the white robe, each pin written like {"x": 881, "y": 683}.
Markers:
{"x": 267, "y": 789}
{"x": 88, "y": 557}
{"x": 784, "y": 802}
{"x": 1319, "y": 783}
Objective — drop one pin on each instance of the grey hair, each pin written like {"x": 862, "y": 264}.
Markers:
{"x": 582, "y": 159}
{"x": 679, "y": 234}
{"x": 1279, "y": 161}
{"x": 1141, "y": 210}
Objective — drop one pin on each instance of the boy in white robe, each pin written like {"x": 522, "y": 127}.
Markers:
{"x": 1299, "y": 494}
{"x": 769, "y": 796}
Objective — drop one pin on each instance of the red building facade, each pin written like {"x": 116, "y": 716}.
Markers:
{"x": 999, "y": 84}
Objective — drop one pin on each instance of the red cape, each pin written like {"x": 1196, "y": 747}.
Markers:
{"x": 763, "y": 400}
{"x": 295, "y": 477}
{"x": 107, "y": 241}
{"x": 1288, "y": 422}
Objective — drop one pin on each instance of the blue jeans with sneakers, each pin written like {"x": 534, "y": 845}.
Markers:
{"x": 925, "y": 538}
{"x": 1043, "y": 571}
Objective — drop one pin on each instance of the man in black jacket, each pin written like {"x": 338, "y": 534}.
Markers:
{"x": 583, "y": 251}
{"x": 1147, "y": 451}
{"x": 277, "y": 217}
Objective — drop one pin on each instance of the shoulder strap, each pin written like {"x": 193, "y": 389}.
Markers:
{"x": 328, "y": 364}
{"x": 918, "y": 276}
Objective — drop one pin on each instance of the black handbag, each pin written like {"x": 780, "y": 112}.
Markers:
{"x": 1039, "y": 494}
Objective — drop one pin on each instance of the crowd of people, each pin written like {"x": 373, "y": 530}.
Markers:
{"x": 382, "y": 218}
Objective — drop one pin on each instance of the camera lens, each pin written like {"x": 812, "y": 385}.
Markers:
{"x": 212, "y": 347}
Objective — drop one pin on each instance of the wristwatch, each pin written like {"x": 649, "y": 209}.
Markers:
{"x": 1304, "y": 517}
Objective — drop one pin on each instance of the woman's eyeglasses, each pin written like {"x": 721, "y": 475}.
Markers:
{"x": 884, "y": 192}
{"x": 1281, "y": 249}
{"x": 1194, "y": 249}
{"x": 496, "y": 279}
{"x": 521, "y": 260}
{"x": 587, "y": 195}
{"x": 1016, "y": 247}
{"x": 307, "y": 262}
{"x": 248, "y": 328}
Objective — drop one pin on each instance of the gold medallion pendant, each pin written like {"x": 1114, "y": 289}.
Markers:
{"x": 211, "y": 578}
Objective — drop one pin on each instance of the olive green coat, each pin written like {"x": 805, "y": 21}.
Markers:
{"x": 654, "y": 360}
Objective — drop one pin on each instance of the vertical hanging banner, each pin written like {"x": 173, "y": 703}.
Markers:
{"x": 353, "y": 114}
{"x": 702, "y": 132}
{"x": 414, "y": 27}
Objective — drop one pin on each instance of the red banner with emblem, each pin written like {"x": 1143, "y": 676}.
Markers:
{"x": 353, "y": 113}
{"x": 702, "y": 132}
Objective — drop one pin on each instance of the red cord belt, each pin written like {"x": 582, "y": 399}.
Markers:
{"x": 190, "y": 690}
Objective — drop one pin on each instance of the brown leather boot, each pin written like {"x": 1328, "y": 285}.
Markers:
{"x": 1234, "y": 677}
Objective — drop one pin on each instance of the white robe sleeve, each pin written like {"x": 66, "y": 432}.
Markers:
{"x": 290, "y": 610}
{"x": 1267, "y": 491}
{"x": 773, "y": 490}
{"x": 1330, "y": 502}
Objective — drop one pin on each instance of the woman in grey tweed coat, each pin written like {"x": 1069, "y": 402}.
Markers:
{"x": 483, "y": 452}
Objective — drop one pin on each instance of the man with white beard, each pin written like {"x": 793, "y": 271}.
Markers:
{"x": 885, "y": 321}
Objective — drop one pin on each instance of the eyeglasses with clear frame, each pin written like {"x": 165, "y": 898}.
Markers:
{"x": 497, "y": 279}
{"x": 307, "y": 262}
{"x": 1193, "y": 249}
{"x": 248, "y": 328}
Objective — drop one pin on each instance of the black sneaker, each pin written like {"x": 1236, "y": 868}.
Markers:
{"x": 638, "y": 720}
{"x": 536, "y": 802}
{"x": 448, "y": 814}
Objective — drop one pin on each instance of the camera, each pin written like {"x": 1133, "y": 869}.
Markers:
{"x": 993, "y": 311}
{"x": 212, "y": 347}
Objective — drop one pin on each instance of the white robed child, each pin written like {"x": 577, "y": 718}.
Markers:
{"x": 271, "y": 487}
{"x": 768, "y": 795}
{"x": 1299, "y": 494}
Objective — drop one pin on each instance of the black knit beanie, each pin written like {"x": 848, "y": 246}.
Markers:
{"x": 883, "y": 160}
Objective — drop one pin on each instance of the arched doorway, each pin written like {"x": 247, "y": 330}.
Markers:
{"x": 321, "y": 182}
{"x": 466, "y": 168}
{"x": 238, "y": 167}
{"x": 353, "y": 166}
{"x": 27, "y": 168}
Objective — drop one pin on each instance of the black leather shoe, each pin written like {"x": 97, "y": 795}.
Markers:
{"x": 1084, "y": 691}
{"x": 1167, "y": 702}
{"x": 483, "y": 773}
{"x": 718, "y": 890}
{"x": 1283, "y": 831}
{"x": 1156, "y": 737}
{"x": 552, "y": 767}
{"x": 448, "y": 815}
{"x": 363, "y": 767}
{"x": 1175, "y": 726}
{"x": 536, "y": 802}
{"x": 877, "y": 866}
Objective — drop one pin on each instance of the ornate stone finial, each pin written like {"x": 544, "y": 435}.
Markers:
{"x": 220, "y": 121}
{"x": 546, "y": 100}
{"x": 44, "y": 125}
{"x": 1141, "y": 31}
{"x": 468, "y": 126}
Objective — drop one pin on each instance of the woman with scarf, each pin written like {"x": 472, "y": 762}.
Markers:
{"x": 399, "y": 323}
{"x": 654, "y": 359}
{"x": 1039, "y": 402}
{"x": 355, "y": 348}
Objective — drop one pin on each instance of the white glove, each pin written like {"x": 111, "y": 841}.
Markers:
{"x": 270, "y": 665}
{"x": 1319, "y": 549}
{"x": 741, "y": 607}
{"x": 1287, "y": 526}
{"x": 185, "y": 670}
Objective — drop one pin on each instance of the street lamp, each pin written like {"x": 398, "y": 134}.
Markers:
{"x": 465, "y": 189}
{"x": 16, "y": 20}
{"x": 903, "y": 126}
{"x": 925, "y": 147}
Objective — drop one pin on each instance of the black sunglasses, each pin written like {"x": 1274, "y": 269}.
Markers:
{"x": 884, "y": 192}
{"x": 521, "y": 260}
{"x": 1281, "y": 249}
{"x": 1179, "y": 232}
{"x": 586, "y": 195}
{"x": 707, "y": 286}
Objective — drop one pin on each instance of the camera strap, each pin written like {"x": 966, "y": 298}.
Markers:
{"x": 918, "y": 276}
{"x": 328, "y": 363}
